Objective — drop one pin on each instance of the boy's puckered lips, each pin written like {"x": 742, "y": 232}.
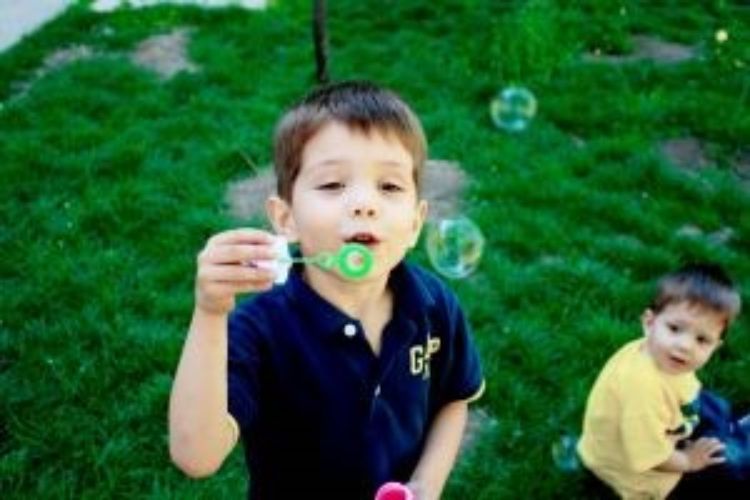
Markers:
{"x": 363, "y": 238}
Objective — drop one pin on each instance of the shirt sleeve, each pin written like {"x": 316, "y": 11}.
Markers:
{"x": 459, "y": 362}
{"x": 243, "y": 365}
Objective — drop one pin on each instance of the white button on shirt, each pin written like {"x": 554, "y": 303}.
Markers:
{"x": 350, "y": 330}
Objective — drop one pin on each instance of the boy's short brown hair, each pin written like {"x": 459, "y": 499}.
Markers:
{"x": 702, "y": 284}
{"x": 360, "y": 105}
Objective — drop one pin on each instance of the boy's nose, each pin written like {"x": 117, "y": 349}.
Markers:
{"x": 364, "y": 212}
{"x": 363, "y": 203}
{"x": 685, "y": 343}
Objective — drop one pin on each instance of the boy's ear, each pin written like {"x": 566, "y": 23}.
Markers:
{"x": 279, "y": 212}
{"x": 419, "y": 218}
{"x": 647, "y": 320}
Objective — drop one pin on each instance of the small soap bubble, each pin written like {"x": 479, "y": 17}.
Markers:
{"x": 454, "y": 247}
{"x": 513, "y": 109}
{"x": 564, "y": 453}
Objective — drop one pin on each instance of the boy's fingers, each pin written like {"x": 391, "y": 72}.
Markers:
{"x": 226, "y": 289}
{"x": 248, "y": 287}
{"x": 235, "y": 254}
{"x": 234, "y": 274}
{"x": 709, "y": 442}
{"x": 241, "y": 235}
{"x": 236, "y": 287}
{"x": 714, "y": 444}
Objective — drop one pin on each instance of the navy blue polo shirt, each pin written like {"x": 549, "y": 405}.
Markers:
{"x": 319, "y": 413}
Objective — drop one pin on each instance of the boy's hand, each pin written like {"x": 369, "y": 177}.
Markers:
{"x": 704, "y": 452}
{"x": 418, "y": 490}
{"x": 225, "y": 268}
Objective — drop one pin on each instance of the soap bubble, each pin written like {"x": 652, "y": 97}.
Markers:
{"x": 564, "y": 453}
{"x": 454, "y": 246}
{"x": 513, "y": 108}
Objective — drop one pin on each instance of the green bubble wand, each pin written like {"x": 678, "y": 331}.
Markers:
{"x": 353, "y": 260}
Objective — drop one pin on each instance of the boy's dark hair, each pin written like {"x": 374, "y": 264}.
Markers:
{"x": 361, "y": 106}
{"x": 702, "y": 284}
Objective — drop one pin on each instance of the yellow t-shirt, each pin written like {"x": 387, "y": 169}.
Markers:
{"x": 632, "y": 422}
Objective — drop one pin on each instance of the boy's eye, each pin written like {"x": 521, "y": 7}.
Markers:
{"x": 391, "y": 187}
{"x": 331, "y": 186}
{"x": 703, "y": 340}
{"x": 673, "y": 327}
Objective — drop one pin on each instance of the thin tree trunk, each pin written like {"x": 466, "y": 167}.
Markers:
{"x": 320, "y": 37}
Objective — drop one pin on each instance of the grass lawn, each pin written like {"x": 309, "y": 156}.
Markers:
{"x": 112, "y": 178}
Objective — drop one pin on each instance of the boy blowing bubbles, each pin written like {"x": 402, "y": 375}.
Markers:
{"x": 335, "y": 386}
{"x": 649, "y": 431}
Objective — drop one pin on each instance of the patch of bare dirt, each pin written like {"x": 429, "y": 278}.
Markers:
{"x": 721, "y": 237}
{"x": 65, "y": 56}
{"x": 691, "y": 155}
{"x": 55, "y": 60}
{"x": 648, "y": 48}
{"x": 441, "y": 186}
{"x": 165, "y": 54}
{"x": 685, "y": 152}
{"x": 246, "y": 198}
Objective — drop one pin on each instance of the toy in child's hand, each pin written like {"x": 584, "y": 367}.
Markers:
{"x": 394, "y": 491}
{"x": 353, "y": 260}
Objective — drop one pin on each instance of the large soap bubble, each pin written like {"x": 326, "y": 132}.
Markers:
{"x": 513, "y": 109}
{"x": 454, "y": 246}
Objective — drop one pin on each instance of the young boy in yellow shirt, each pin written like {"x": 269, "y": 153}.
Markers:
{"x": 649, "y": 432}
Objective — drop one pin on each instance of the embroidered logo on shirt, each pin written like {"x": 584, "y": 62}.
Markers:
{"x": 690, "y": 420}
{"x": 419, "y": 357}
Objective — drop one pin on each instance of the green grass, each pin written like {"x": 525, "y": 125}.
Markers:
{"x": 111, "y": 180}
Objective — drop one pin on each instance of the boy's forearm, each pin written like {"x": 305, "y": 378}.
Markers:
{"x": 678, "y": 461}
{"x": 440, "y": 451}
{"x": 200, "y": 436}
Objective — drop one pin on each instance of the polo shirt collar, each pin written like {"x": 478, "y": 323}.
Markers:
{"x": 412, "y": 298}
